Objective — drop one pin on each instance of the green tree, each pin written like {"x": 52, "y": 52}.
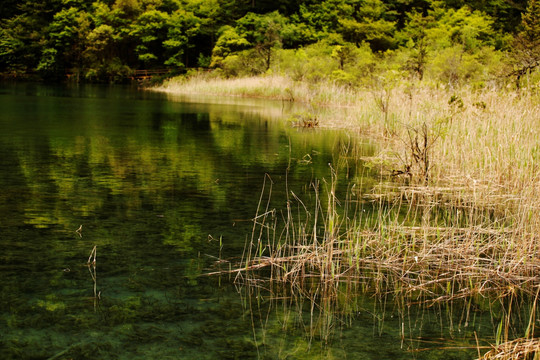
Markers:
{"x": 209, "y": 15}
{"x": 109, "y": 51}
{"x": 506, "y": 13}
{"x": 100, "y": 54}
{"x": 414, "y": 38}
{"x": 67, "y": 36}
{"x": 128, "y": 9}
{"x": 369, "y": 24}
{"x": 229, "y": 41}
{"x": 323, "y": 17}
{"x": 526, "y": 49}
{"x": 102, "y": 38}
{"x": 182, "y": 26}
{"x": 345, "y": 54}
{"x": 12, "y": 49}
{"x": 23, "y": 36}
{"x": 464, "y": 27}
{"x": 263, "y": 32}
{"x": 295, "y": 33}
{"x": 150, "y": 31}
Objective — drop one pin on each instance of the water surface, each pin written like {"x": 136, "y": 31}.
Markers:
{"x": 161, "y": 188}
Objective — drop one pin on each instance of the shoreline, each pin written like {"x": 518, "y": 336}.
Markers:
{"x": 482, "y": 145}
{"x": 470, "y": 160}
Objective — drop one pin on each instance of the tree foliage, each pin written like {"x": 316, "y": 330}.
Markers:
{"x": 106, "y": 39}
{"x": 526, "y": 51}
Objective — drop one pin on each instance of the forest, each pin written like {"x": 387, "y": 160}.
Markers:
{"x": 345, "y": 41}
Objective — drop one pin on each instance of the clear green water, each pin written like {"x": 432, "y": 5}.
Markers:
{"x": 155, "y": 182}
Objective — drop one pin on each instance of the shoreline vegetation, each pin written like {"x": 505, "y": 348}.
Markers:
{"x": 459, "y": 222}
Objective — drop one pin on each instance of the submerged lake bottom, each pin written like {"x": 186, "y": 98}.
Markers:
{"x": 117, "y": 203}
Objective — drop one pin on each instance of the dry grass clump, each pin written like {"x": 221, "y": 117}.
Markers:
{"x": 516, "y": 349}
{"x": 417, "y": 245}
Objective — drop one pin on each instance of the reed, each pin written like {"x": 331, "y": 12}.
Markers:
{"x": 92, "y": 263}
{"x": 429, "y": 238}
{"x": 415, "y": 245}
{"x": 274, "y": 87}
{"x": 457, "y": 222}
{"x": 485, "y": 138}
{"x": 516, "y": 349}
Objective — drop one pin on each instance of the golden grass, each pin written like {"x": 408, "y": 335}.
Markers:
{"x": 517, "y": 349}
{"x": 273, "y": 87}
{"x": 463, "y": 222}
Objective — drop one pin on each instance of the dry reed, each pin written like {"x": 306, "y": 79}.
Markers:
{"x": 270, "y": 87}
{"x": 462, "y": 222}
{"x": 516, "y": 349}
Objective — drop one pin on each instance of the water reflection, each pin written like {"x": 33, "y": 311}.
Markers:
{"x": 154, "y": 183}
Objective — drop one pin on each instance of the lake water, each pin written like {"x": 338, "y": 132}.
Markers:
{"x": 161, "y": 187}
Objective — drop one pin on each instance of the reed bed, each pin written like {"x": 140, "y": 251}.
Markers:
{"x": 483, "y": 138}
{"x": 459, "y": 220}
{"x": 420, "y": 244}
{"x": 415, "y": 245}
{"x": 273, "y": 87}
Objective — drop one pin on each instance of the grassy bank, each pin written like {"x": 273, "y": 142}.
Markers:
{"x": 484, "y": 137}
{"x": 460, "y": 221}
{"x": 269, "y": 87}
